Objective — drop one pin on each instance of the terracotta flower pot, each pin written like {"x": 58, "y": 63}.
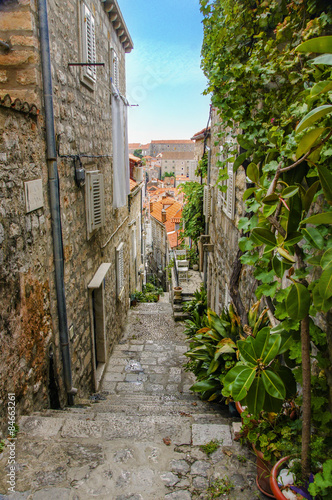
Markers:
{"x": 263, "y": 474}
{"x": 239, "y": 407}
{"x": 177, "y": 292}
{"x": 273, "y": 479}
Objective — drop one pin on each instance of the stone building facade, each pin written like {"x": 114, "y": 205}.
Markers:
{"x": 163, "y": 146}
{"x": 222, "y": 214}
{"x": 180, "y": 163}
{"x": 96, "y": 233}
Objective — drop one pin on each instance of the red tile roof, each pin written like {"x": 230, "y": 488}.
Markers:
{"x": 201, "y": 134}
{"x": 171, "y": 211}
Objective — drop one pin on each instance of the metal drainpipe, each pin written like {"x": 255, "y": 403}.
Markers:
{"x": 54, "y": 199}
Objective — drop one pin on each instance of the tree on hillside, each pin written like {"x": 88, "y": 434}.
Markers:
{"x": 138, "y": 153}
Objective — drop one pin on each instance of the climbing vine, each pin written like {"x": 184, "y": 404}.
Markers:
{"x": 274, "y": 98}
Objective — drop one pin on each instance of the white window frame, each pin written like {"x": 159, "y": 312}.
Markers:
{"x": 119, "y": 261}
{"x": 95, "y": 201}
{"x": 226, "y": 199}
{"x": 88, "y": 44}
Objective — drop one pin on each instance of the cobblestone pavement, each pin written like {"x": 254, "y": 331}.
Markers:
{"x": 140, "y": 437}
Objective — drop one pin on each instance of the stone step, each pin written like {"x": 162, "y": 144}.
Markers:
{"x": 112, "y": 426}
{"x": 180, "y": 316}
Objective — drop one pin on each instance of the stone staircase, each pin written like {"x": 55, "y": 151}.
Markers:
{"x": 140, "y": 437}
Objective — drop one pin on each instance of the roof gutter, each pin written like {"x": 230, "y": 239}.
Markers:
{"x": 53, "y": 179}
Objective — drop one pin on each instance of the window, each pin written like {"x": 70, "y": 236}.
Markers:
{"x": 227, "y": 199}
{"x": 119, "y": 269}
{"x": 94, "y": 190}
{"x": 89, "y": 43}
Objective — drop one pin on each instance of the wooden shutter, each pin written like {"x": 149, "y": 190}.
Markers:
{"x": 229, "y": 208}
{"x": 95, "y": 200}
{"x": 89, "y": 43}
{"x": 119, "y": 269}
{"x": 207, "y": 202}
{"x": 115, "y": 69}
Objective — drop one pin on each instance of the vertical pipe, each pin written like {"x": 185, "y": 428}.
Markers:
{"x": 54, "y": 198}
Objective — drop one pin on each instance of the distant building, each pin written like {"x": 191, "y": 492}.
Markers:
{"x": 177, "y": 162}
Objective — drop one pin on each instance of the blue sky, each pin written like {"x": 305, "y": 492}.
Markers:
{"x": 163, "y": 71}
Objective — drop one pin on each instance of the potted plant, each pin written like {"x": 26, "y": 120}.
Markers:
{"x": 177, "y": 292}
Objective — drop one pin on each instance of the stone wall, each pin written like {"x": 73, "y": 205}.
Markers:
{"x": 225, "y": 236}
{"x": 171, "y": 146}
{"x": 135, "y": 263}
{"x": 83, "y": 124}
{"x": 26, "y": 264}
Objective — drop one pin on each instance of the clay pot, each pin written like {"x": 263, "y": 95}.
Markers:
{"x": 177, "y": 292}
{"x": 263, "y": 474}
{"x": 273, "y": 479}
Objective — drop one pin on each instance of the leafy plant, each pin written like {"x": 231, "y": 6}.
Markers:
{"x": 220, "y": 487}
{"x": 211, "y": 446}
{"x": 197, "y": 305}
{"x": 283, "y": 107}
{"x": 192, "y": 213}
{"x": 213, "y": 349}
{"x": 258, "y": 380}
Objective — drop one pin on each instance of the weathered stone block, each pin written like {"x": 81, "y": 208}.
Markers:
{"x": 18, "y": 57}
{"x": 23, "y": 41}
{"x": 204, "y": 433}
{"x": 15, "y": 21}
{"x": 3, "y": 76}
{"x": 26, "y": 77}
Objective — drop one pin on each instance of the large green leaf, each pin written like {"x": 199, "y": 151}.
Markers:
{"x": 231, "y": 375}
{"x": 325, "y": 283}
{"x": 256, "y": 396}
{"x": 324, "y": 59}
{"x": 247, "y": 351}
{"x": 243, "y": 382}
{"x": 272, "y": 348}
{"x": 286, "y": 342}
{"x": 214, "y": 365}
{"x": 298, "y": 301}
{"x": 279, "y": 266}
{"x": 321, "y": 45}
{"x": 264, "y": 236}
{"x": 319, "y": 302}
{"x": 289, "y": 191}
{"x": 326, "y": 258}
{"x": 308, "y": 140}
{"x": 321, "y": 88}
{"x": 271, "y": 404}
{"x": 308, "y": 197}
{"x": 325, "y": 177}
{"x": 313, "y": 236}
{"x": 286, "y": 255}
{"x": 293, "y": 238}
{"x": 288, "y": 379}
{"x": 273, "y": 384}
{"x": 239, "y": 160}
{"x": 261, "y": 343}
{"x": 323, "y": 218}
{"x": 272, "y": 199}
{"x": 205, "y": 385}
{"x": 313, "y": 116}
{"x": 253, "y": 173}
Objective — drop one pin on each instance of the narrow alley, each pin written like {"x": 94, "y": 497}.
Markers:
{"x": 140, "y": 437}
